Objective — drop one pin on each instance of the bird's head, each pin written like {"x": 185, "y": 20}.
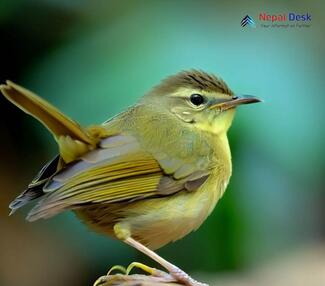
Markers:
{"x": 197, "y": 98}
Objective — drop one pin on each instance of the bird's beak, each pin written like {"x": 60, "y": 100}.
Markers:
{"x": 235, "y": 101}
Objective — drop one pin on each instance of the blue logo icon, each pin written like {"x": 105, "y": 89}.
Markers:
{"x": 247, "y": 21}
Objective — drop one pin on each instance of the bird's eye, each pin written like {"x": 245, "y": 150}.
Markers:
{"x": 197, "y": 99}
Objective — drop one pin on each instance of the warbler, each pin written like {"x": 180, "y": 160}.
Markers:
{"x": 148, "y": 176}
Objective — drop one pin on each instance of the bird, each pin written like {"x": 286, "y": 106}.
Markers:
{"x": 149, "y": 175}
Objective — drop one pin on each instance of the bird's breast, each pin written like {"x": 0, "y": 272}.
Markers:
{"x": 156, "y": 222}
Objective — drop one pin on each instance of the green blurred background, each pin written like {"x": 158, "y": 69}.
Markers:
{"x": 92, "y": 59}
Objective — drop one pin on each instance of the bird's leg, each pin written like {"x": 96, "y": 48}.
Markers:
{"x": 174, "y": 271}
{"x": 122, "y": 231}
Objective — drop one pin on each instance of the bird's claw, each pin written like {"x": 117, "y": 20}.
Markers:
{"x": 152, "y": 271}
{"x": 101, "y": 280}
{"x": 175, "y": 274}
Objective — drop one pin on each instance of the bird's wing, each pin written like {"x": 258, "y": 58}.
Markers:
{"x": 73, "y": 140}
{"x": 118, "y": 170}
{"x": 35, "y": 188}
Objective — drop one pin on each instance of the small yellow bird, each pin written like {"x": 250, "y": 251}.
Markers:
{"x": 149, "y": 175}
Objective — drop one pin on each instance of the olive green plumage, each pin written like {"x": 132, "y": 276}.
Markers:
{"x": 153, "y": 172}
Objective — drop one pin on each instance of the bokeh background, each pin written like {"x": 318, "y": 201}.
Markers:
{"x": 92, "y": 59}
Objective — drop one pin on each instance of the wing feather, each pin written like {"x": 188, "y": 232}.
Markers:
{"x": 119, "y": 170}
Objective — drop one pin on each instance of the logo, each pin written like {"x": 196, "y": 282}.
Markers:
{"x": 285, "y": 17}
{"x": 247, "y": 21}
{"x": 279, "y": 20}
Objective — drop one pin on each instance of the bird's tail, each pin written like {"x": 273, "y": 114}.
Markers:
{"x": 73, "y": 140}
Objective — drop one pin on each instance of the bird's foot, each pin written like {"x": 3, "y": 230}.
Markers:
{"x": 152, "y": 271}
{"x": 158, "y": 275}
{"x": 175, "y": 275}
{"x": 175, "y": 272}
{"x": 182, "y": 277}
{"x": 103, "y": 279}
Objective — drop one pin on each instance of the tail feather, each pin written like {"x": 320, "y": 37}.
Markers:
{"x": 58, "y": 123}
{"x": 72, "y": 139}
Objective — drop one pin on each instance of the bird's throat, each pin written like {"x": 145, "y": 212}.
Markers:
{"x": 217, "y": 124}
